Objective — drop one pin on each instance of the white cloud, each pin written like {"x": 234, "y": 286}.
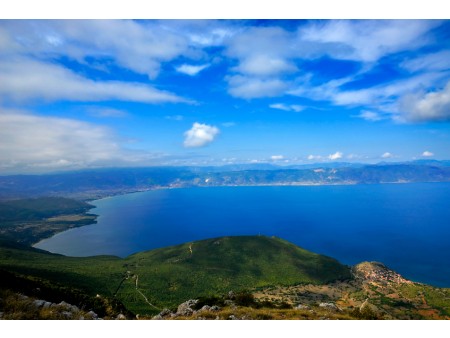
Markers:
{"x": 429, "y": 62}
{"x": 249, "y": 87}
{"x": 387, "y": 155}
{"x": 432, "y": 106}
{"x": 262, "y": 65}
{"x": 337, "y": 155}
{"x": 370, "y": 116}
{"x": 140, "y": 46}
{"x": 25, "y": 79}
{"x": 366, "y": 40}
{"x": 28, "y": 141}
{"x": 200, "y": 135}
{"x": 190, "y": 69}
{"x": 276, "y": 157}
{"x": 285, "y": 107}
{"x": 314, "y": 157}
{"x": 427, "y": 153}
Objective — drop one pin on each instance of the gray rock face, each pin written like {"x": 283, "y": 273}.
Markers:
{"x": 92, "y": 314}
{"x": 329, "y": 306}
{"x": 205, "y": 308}
{"x": 39, "y": 303}
{"x": 185, "y": 309}
{"x": 215, "y": 308}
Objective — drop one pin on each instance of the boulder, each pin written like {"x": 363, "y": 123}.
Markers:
{"x": 121, "y": 317}
{"x": 329, "y": 306}
{"x": 92, "y": 314}
{"x": 301, "y": 307}
{"x": 215, "y": 308}
{"x": 39, "y": 303}
{"x": 205, "y": 308}
{"x": 185, "y": 309}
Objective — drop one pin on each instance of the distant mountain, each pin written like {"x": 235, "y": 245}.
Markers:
{"x": 92, "y": 184}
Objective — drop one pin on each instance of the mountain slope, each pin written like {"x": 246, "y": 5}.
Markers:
{"x": 149, "y": 281}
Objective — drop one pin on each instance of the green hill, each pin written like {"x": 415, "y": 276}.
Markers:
{"x": 152, "y": 280}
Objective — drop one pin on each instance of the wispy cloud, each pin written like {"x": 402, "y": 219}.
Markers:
{"x": 26, "y": 79}
{"x": 106, "y": 112}
{"x": 277, "y": 157}
{"x": 191, "y": 70}
{"x": 370, "y": 116}
{"x": 387, "y": 155}
{"x": 200, "y": 135}
{"x": 250, "y": 88}
{"x": 287, "y": 107}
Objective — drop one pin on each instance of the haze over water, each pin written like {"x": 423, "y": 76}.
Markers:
{"x": 405, "y": 226}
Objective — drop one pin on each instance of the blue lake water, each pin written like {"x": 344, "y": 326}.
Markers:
{"x": 405, "y": 226}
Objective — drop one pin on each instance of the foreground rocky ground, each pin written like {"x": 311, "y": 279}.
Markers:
{"x": 375, "y": 292}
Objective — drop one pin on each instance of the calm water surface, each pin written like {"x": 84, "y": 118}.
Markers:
{"x": 405, "y": 226}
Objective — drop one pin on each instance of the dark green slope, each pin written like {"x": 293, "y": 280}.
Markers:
{"x": 152, "y": 280}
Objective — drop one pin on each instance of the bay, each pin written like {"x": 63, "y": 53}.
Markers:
{"x": 405, "y": 226}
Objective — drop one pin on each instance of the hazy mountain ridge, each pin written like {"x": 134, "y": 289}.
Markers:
{"x": 91, "y": 184}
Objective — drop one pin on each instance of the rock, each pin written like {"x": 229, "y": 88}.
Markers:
{"x": 67, "y": 314}
{"x": 233, "y": 317}
{"x": 231, "y": 295}
{"x": 1, "y": 314}
{"x": 215, "y": 308}
{"x": 185, "y": 309}
{"x": 205, "y": 308}
{"x": 301, "y": 307}
{"x": 39, "y": 303}
{"x": 165, "y": 313}
{"x": 157, "y": 317}
{"x": 229, "y": 302}
{"x": 120, "y": 317}
{"x": 47, "y": 305}
{"x": 92, "y": 314}
{"x": 329, "y": 306}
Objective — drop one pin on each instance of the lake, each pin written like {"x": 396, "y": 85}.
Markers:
{"x": 405, "y": 226}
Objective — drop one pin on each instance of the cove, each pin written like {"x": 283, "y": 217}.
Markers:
{"x": 405, "y": 226}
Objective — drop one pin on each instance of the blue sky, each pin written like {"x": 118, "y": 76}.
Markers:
{"x": 86, "y": 94}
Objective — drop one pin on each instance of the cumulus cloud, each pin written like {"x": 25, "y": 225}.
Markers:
{"x": 337, "y": 155}
{"x": 427, "y": 153}
{"x": 314, "y": 157}
{"x": 276, "y": 157}
{"x": 287, "y": 107}
{"x": 387, "y": 155}
{"x": 432, "y": 106}
{"x": 190, "y": 70}
{"x": 200, "y": 135}
{"x": 249, "y": 87}
{"x": 25, "y": 79}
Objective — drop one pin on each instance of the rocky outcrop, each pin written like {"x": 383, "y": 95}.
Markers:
{"x": 377, "y": 272}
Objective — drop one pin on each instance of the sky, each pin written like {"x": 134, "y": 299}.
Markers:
{"x": 78, "y": 94}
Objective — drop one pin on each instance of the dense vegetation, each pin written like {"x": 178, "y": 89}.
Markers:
{"x": 149, "y": 281}
{"x": 29, "y": 220}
